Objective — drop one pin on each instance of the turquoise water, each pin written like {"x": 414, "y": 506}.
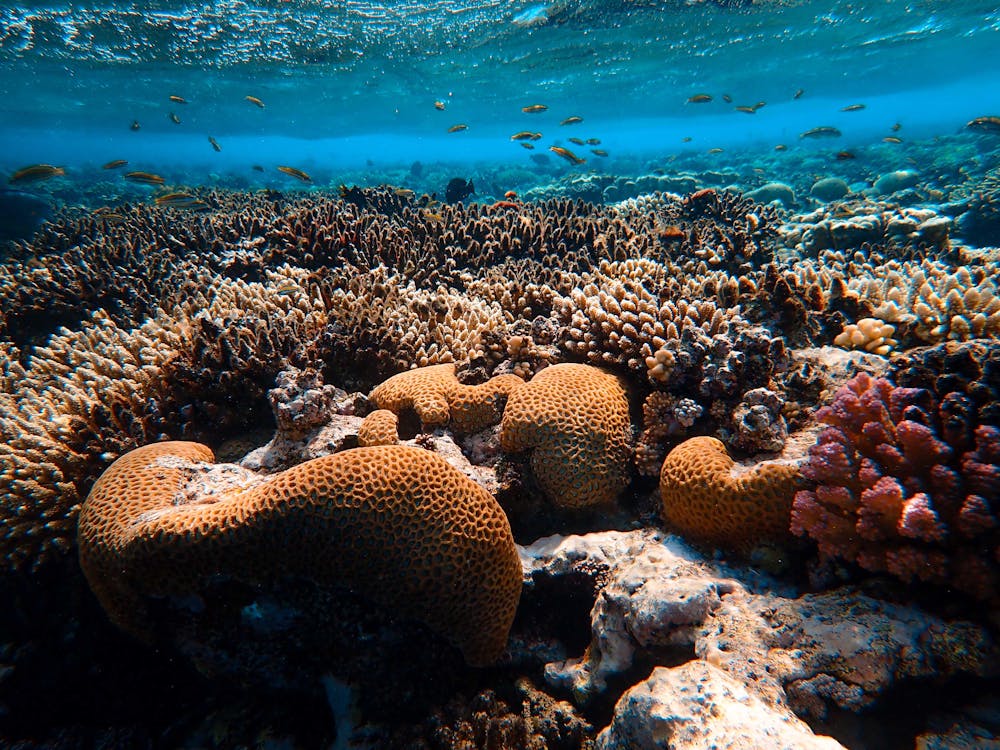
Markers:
{"x": 348, "y": 84}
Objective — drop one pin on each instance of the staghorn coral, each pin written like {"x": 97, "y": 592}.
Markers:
{"x": 704, "y": 500}
{"x": 393, "y": 522}
{"x": 379, "y": 428}
{"x": 905, "y": 484}
{"x": 439, "y": 399}
{"x": 575, "y": 420}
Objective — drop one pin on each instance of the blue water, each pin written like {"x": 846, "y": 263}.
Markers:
{"x": 351, "y": 85}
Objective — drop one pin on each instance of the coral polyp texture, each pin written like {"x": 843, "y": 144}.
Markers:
{"x": 705, "y": 500}
{"x": 575, "y": 420}
{"x": 438, "y": 398}
{"x": 396, "y": 524}
{"x": 905, "y": 483}
{"x": 381, "y": 427}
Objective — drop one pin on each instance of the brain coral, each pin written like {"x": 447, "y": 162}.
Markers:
{"x": 379, "y": 428}
{"x": 704, "y": 500}
{"x": 576, "y": 420}
{"x": 393, "y": 523}
{"x": 905, "y": 483}
{"x": 438, "y": 398}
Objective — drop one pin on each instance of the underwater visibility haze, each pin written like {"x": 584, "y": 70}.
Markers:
{"x": 500, "y": 375}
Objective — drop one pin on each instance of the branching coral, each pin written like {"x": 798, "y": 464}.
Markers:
{"x": 396, "y": 523}
{"x": 905, "y": 484}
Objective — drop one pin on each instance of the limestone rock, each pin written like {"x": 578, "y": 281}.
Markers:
{"x": 697, "y": 706}
{"x": 829, "y": 189}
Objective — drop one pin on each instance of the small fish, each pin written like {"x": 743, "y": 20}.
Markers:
{"x": 458, "y": 128}
{"x": 892, "y": 139}
{"x": 532, "y": 109}
{"x": 686, "y": 139}
{"x": 174, "y": 119}
{"x": 254, "y": 100}
{"x": 747, "y": 110}
{"x": 172, "y": 199}
{"x": 439, "y": 105}
{"x": 577, "y": 141}
{"x": 574, "y": 120}
{"x": 257, "y": 168}
{"x": 215, "y": 143}
{"x": 566, "y": 154}
{"x": 528, "y": 146}
{"x": 526, "y": 135}
{"x": 988, "y": 124}
{"x": 405, "y": 193}
{"x": 298, "y": 174}
{"x": 758, "y": 105}
{"x": 798, "y": 93}
{"x": 432, "y": 216}
{"x": 134, "y": 126}
{"x": 895, "y": 128}
{"x": 147, "y": 178}
{"x": 35, "y": 173}
{"x": 852, "y": 108}
{"x": 115, "y": 164}
{"x": 845, "y": 155}
{"x": 593, "y": 141}
{"x": 823, "y": 131}
{"x": 177, "y": 99}
{"x": 106, "y": 214}
{"x": 715, "y": 150}
{"x": 699, "y": 99}
{"x": 781, "y": 147}
{"x": 598, "y": 152}
{"x": 727, "y": 98}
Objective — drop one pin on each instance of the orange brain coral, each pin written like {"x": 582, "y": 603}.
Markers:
{"x": 703, "y": 500}
{"x": 576, "y": 418}
{"x": 381, "y": 427}
{"x": 438, "y": 398}
{"x": 395, "y": 523}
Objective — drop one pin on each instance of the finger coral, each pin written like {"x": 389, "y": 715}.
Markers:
{"x": 703, "y": 499}
{"x": 575, "y": 420}
{"x": 395, "y": 523}
{"x": 905, "y": 484}
{"x": 439, "y": 399}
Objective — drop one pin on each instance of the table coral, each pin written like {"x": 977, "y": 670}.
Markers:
{"x": 703, "y": 500}
{"x": 395, "y": 523}
{"x": 575, "y": 420}
{"x": 905, "y": 484}
{"x": 439, "y": 399}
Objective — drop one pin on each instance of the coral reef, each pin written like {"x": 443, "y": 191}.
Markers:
{"x": 704, "y": 500}
{"x": 905, "y": 483}
{"x": 379, "y": 428}
{"x": 443, "y": 555}
{"x": 575, "y": 420}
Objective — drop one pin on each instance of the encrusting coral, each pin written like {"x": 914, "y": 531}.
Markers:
{"x": 907, "y": 484}
{"x": 705, "y": 501}
{"x": 575, "y": 420}
{"x": 397, "y": 524}
{"x": 439, "y": 399}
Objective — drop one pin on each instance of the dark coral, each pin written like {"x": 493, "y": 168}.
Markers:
{"x": 905, "y": 483}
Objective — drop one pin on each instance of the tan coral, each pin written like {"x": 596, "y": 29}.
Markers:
{"x": 439, "y": 399}
{"x": 575, "y": 418}
{"x": 871, "y": 334}
{"x": 396, "y": 524}
{"x": 703, "y": 500}
{"x": 379, "y": 428}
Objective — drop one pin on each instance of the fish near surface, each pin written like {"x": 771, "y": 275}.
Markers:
{"x": 21, "y": 214}
{"x": 824, "y": 131}
{"x": 36, "y": 173}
